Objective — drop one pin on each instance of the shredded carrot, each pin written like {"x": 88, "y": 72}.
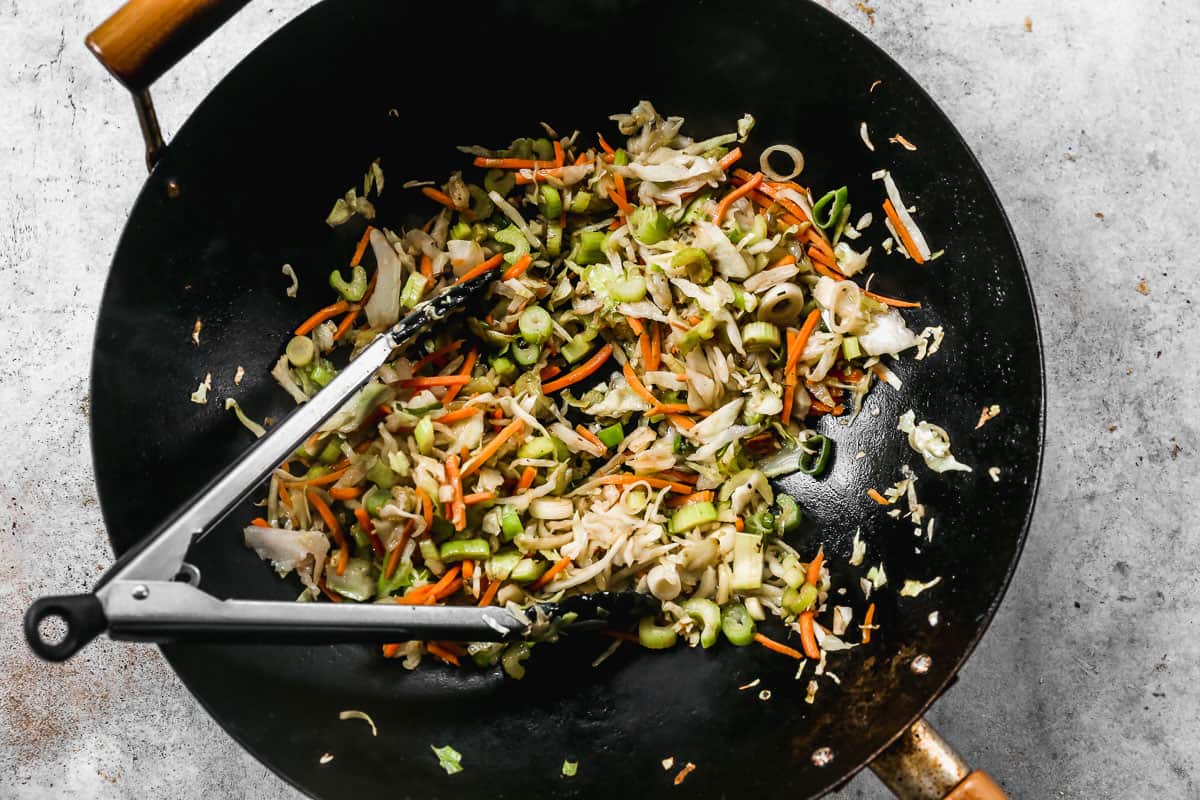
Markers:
{"x": 490, "y": 594}
{"x": 877, "y": 497}
{"x": 624, "y": 479}
{"x": 552, "y": 371}
{"x": 789, "y": 399}
{"x": 527, "y": 478}
{"x": 782, "y": 649}
{"x": 457, "y": 510}
{"x": 579, "y": 373}
{"x": 891, "y": 301}
{"x": 808, "y": 637}
{"x": 394, "y": 556}
{"x": 818, "y": 407}
{"x": 617, "y": 195}
{"x": 347, "y": 323}
{"x": 636, "y": 325}
{"x": 813, "y": 573}
{"x": 729, "y": 199}
{"x": 323, "y": 480}
{"x": 364, "y": 522}
{"x": 487, "y": 451}
{"x": 334, "y": 596}
{"x": 328, "y": 312}
{"x": 645, "y": 348}
{"x": 806, "y": 330}
{"x": 427, "y": 267}
{"x": 479, "y": 269}
{"x": 605, "y": 146}
{"x": 478, "y": 497}
{"x": 788, "y": 259}
{"x": 655, "y": 348}
{"x": 436, "y": 649}
{"x": 905, "y": 237}
{"x": 670, "y": 408}
{"x": 688, "y": 499}
{"x": 361, "y": 249}
{"x": 638, "y": 387}
{"x": 559, "y": 156}
{"x": 694, "y": 320}
{"x": 512, "y": 163}
{"x": 551, "y": 573}
{"x": 334, "y": 528}
{"x": 444, "y": 350}
{"x": 458, "y": 415}
{"x": 390, "y": 650}
{"x": 730, "y": 158}
{"x": 518, "y": 268}
{"x": 680, "y": 421}
{"x": 825, "y": 265}
{"x": 446, "y": 581}
{"x": 435, "y": 380}
{"x": 439, "y": 197}
{"x": 345, "y": 492}
{"x": 463, "y": 372}
{"x": 868, "y": 618}
{"x": 739, "y": 524}
{"x": 454, "y": 586}
{"x": 259, "y": 522}
{"x": 468, "y": 569}
{"x": 426, "y": 507}
{"x": 591, "y": 437}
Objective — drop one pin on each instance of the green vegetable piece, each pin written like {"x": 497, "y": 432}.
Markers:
{"x": 701, "y": 332}
{"x": 695, "y": 261}
{"x": 528, "y": 570}
{"x": 580, "y": 202}
{"x": 355, "y": 289}
{"x": 554, "y": 238}
{"x": 630, "y": 289}
{"x": 650, "y": 226}
{"x": 620, "y": 158}
{"x": 331, "y": 452}
{"x": 375, "y": 499}
{"x": 834, "y": 202}
{"x": 797, "y": 601}
{"x": 524, "y": 353}
{"x": 510, "y": 524}
{"x": 414, "y": 290}
{"x": 448, "y": 758}
{"x": 513, "y": 237}
{"x": 551, "y": 202}
{"x": 612, "y": 436}
{"x": 569, "y": 768}
{"x": 708, "y": 614}
{"x": 423, "y": 433}
{"x": 300, "y": 351}
{"x": 591, "y": 248}
{"x": 579, "y": 346}
{"x": 500, "y": 181}
{"x": 761, "y": 524}
{"x": 461, "y": 549}
{"x": 788, "y": 520}
{"x": 361, "y": 541}
{"x": 500, "y": 565}
{"x": 535, "y": 324}
{"x": 521, "y": 148}
{"x": 316, "y": 471}
{"x": 322, "y": 372}
{"x": 695, "y": 208}
{"x": 381, "y": 475}
{"x": 851, "y": 349}
{"x": 461, "y": 230}
{"x": 815, "y": 463}
{"x": 504, "y": 368}
{"x": 737, "y": 625}
{"x": 693, "y": 515}
{"x": 514, "y": 658}
{"x": 543, "y": 149}
{"x": 481, "y": 205}
{"x": 655, "y": 637}
{"x": 760, "y": 335}
{"x": 402, "y": 578}
{"x": 537, "y": 447}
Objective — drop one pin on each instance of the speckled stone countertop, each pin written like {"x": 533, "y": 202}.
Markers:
{"x": 1084, "y": 118}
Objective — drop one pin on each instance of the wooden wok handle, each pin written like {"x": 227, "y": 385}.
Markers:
{"x": 921, "y": 765}
{"x": 145, "y": 38}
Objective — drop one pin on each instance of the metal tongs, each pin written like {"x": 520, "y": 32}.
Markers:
{"x": 151, "y": 594}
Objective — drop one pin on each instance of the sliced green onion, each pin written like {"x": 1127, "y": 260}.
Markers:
{"x": 414, "y": 290}
{"x": 461, "y": 549}
{"x": 737, "y": 625}
{"x": 760, "y": 335}
{"x": 513, "y": 237}
{"x": 835, "y": 201}
{"x": 300, "y": 351}
{"x": 708, "y": 614}
{"x": 423, "y": 433}
{"x": 612, "y": 436}
{"x": 355, "y": 289}
{"x": 535, "y": 324}
{"x": 655, "y": 637}
{"x": 510, "y": 524}
{"x": 761, "y": 524}
{"x": 693, "y": 515}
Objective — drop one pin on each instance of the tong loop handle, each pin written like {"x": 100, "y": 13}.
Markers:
{"x": 83, "y": 615}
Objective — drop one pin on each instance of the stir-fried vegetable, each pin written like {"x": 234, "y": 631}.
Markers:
{"x": 665, "y": 329}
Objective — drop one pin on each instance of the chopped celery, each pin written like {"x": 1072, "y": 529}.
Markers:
{"x": 500, "y": 181}
{"x": 612, "y": 436}
{"x": 631, "y": 289}
{"x": 760, "y": 335}
{"x": 510, "y": 524}
{"x": 580, "y": 202}
{"x": 708, "y": 614}
{"x": 513, "y": 237}
{"x": 414, "y": 290}
{"x": 543, "y": 149}
{"x": 481, "y": 206}
{"x": 402, "y": 578}
{"x": 300, "y": 351}
{"x": 375, "y": 499}
{"x": 381, "y": 475}
{"x": 650, "y": 226}
{"x": 554, "y": 236}
{"x": 695, "y": 261}
{"x": 737, "y": 625}
{"x": 655, "y": 637}
{"x": 535, "y": 324}
{"x": 461, "y": 230}
{"x": 591, "y": 248}
{"x": 620, "y": 158}
{"x": 701, "y": 332}
{"x": 551, "y": 202}
{"x": 423, "y": 433}
{"x": 695, "y": 208}
{"x": 851, "y": 348}
{"x": 331, "y": 452}
{"x": 504, "y": 368}
{"x": 355, "y": 289}
{"x": 536, "y": 447}
{"x": 322, "y": 372}
{"x": 747, "y": 562}
{"x": 525, "y": 353}
{"x": 693, "y": 515}
{"x": 797, "y": 601}
{"x": 461, "y": 549}
{"x": 528, "y": 570}
{"x": 788, "y": 520}
{"x": 579, "y": 346}
{"x": 514, "y": 659}
{"x": 500, "y": 566}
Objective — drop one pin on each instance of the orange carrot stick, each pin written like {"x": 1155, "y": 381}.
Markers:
{"x": 463, "y": 372}
{"x": 591, "y": 437}
{"x": 808, "y": 637}
{"x": 783, "y": 649}
{"x": 487, "y": 451}
{"x": 687, "y": 499}
{"x": 334, "y": 528}
{"x": 444, "y": 350}
{"x": 477, "y": 497}
{"x": 636, "y": 325}
{"x": 361, "y": 249}
{"x": 427, "y": 267}
{"x": 866, "y": 626}
{"x": 325, "y": 313}
{"x": 559, "y": 156}
{"x": 518, "y": 268}
{"x": 426, "y": 507}
{"x": 457, "y": 509}
{"x": 680, "y": 421}
{"x": 490, "y": 594}
{"x": 527, "y": 478}
{"x": 891, "y": 301}
{"x": 813, "y": 573}
{"x": 877, "y": 497}
{"x": 345, "y": 492}
{"x": 551, "y": 573}
{"x": 638, "y": 387}
{"x": 552, "y": 371}
{"x": 655, "y": 348}
{"x": 458, "y": 415}
{"x": 441, "y": 652}
{"x": 605, "y": 146}
{"x": 905, "y": 237}
{"x": 364, "y": 522}
{"x": 657, "y": 483}
{"x": 439, "y": 197}
{"x": 587, "y": 368}
{"x": 730, "y": 158}
{"x": 435, "y": 380}
{"x": 512, "y": 163}
{"x": 259, "y": 522}
{"x": 394, "y": 556}
{"x": 480, "y": 268}
{"x": 729, "y": 198}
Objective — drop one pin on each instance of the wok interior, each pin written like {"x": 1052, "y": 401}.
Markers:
{"x": 260, "y": 164}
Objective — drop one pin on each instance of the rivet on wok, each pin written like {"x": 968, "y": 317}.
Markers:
{"x": 140, "y": 592}
{"x": 921, "y": 664}
{"x": 173, "y": 188}
{"x": 822, "y": 756}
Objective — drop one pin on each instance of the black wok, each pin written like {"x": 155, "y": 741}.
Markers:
{"x": 244, "y": 187}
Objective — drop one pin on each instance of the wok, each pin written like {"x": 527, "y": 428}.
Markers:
{"x": 243, "y": 188}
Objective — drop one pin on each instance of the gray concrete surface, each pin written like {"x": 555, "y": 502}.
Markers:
{"x": 1085, "y": 687}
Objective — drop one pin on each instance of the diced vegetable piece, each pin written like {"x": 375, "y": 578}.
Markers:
{"x": 591, "y": 248}
{"x": 423, "y": 434}
{"x": 760, "y": 335}
{"x": 528, "y": 570}
{"x": 631, "y": 289}
{"x": 747, "y": 562}
{"x": 414, "y": 290}
{"x": 737, "y": 625}
{"x": 580, "y": 202}
{"x": 331, "y": 452}
{"x": 513, "y": 237}
{"x": 554, "y": 508}
{"x": 788, "y": 520}
{"x": 612, "y": 436}
{"x": 554, "y": 238}
{"x": 693, "y": 515}
{"x": 536, "y": 447}
{"x": 525, "y": 353}
{"x": 513, "y": 660}
{"x": 579, "y": 346}
{"x": 500, "y": 566}
{"x": 761, "y": 524}
{"x": 551, "y": 202}
{"x": 504, "y": 368}
{"x": 355, "y": 583}
{"x": 322, "y": 372}
{"x": 815, "y": 463}
{"x": 655, "y": 637}
{"x": 851, "y": 349}
{"x": 797, "y": 601}
{"x": 460, "y": 549}
{"x": 381, "y": 475}
{"x": 708, "y": 614}
{"x": 650, "y": 226}
{"x": 833, "y": 201}
{"x": 300, "y": 351}
{"x": 535, "y": 324}
{"x": 355, "y": 289}
{"x": 374, "y": 500}
{"x": 510, "y": 524}
{"x": 695, "y": 261}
